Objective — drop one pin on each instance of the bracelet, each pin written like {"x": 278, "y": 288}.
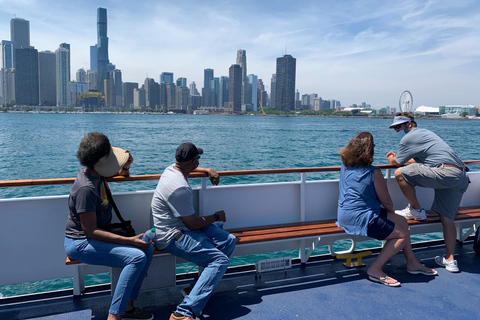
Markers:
{"x": 217, "y": 217}
{"x": 126, "y": 168}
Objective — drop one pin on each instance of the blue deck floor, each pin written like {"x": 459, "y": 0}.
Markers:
{"x": 324, "y": 289}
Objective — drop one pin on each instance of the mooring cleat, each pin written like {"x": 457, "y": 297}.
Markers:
{"x": 358, "y": 256}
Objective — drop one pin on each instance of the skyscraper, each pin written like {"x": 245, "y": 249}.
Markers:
{"x": 102, "y": 48}
{"x": 128, "y": 90}
{"x": 223, "y": 95}
{"x": 93, "y": 58}
{"x": 26, "y": 76}
{"x": 7, "y": 54}
{"x": 235, "y": 88}
{"x": 116, "y": 76}
{"x": 81, "y": 75}
{"x": 285, "y": 83}
{"x": 62, "y": 57}
{"x": 242, "y": 62}
{"x": 166, "y": 77}
{"x": 273, "y": 90}
{"x": 207, "y": 77}
{"x": 47, "y": 78}
{"x": 7, "y": 68}
{"x": 253, "y": 90}
{"x": 193, "y": 89}
{"x": 20, "y": 32}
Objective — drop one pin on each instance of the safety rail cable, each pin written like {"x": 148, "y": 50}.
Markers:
{"x": 57, "y": 181}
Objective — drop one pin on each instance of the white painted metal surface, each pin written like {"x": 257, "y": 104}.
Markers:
{"x": 40, "y": 255}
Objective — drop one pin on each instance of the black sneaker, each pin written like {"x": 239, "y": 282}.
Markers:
{"x": 138, "y": 313}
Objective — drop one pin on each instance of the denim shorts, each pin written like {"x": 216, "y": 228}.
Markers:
{"x": 380, "y": 227}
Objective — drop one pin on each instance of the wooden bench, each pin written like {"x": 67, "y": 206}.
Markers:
{"x": 468, "y": 216}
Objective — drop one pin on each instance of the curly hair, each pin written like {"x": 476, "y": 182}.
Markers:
{"x": 94, "y": 145}
{"x": 408, "y": 115}
{"x": 359, "y": 151}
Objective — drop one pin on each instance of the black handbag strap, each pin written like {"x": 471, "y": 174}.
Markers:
{"x": 110, "y": 200}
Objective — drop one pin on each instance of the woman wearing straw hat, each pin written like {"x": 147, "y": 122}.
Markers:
{"x": 90, "y": 210}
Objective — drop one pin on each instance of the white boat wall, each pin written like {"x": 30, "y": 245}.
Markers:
{"x": 32, "y": 229}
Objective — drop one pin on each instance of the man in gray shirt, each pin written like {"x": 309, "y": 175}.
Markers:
{"x": 180, "y": 232}
{"x": 428, "y": 161}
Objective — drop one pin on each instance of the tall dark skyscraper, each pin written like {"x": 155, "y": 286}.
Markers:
{"x": 20, "y": 32}
{"x": 207, "y": 89}
{"x": 102, "y": 48}
{"x": 285, "y": 83}
{"x": 235, "y": 88}
{"x": 26, "y": 76}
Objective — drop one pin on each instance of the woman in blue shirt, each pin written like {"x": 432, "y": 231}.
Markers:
{"x": 365, "y": 208}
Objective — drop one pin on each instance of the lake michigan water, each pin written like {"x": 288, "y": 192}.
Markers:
{"x": 38, "y": 146}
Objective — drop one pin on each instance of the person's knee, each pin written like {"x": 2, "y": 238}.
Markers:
{"x": 138, "y": 258}
{"x": 398, "y": 174}
{"x": 232, "y": 241}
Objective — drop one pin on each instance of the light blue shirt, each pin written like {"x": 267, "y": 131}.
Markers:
{"x": 358, "y": 203}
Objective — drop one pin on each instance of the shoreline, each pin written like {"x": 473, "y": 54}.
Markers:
{"x": 223, "y": 114}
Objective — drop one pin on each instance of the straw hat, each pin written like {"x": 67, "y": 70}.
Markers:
{"x": 111, "y": 163}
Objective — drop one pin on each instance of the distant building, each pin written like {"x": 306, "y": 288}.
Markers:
{"x": 262, "y": 94}
{"x": 207, "y": 95}
{"x": 20, "y": 32}
{"x": 102, "y": 48}
{"x": 93, "y": 58}
{"x": 152, "y": 94}
{"x": 76, "y": 90}
{"x": 235, "y": 88}
{"x": 166, "y": 77}
{"x": 138, "y": 98}
{"x": 128, "y": 90}
{"x": 26, "y": 76}
{"x": 242, "y": 62}
{"x": 273, "y": 90}
{"x": 285, "y": 84}
{"x": 116, "y": 76}
{"x": 171, "y": 90}
{"x": 181, "y": 82}
{"x": 7, "y": 54}
{"x": 223, "y": 91}
{"x": 47, "y": 78}
{"x": 109, "y": 92}
{"x": 81, "y": 75}
{"x": 193, "y": 89}
{"x": 214, "y": 92}
{"x": 252, "y": 92}
{"x": 92, "y": 80}
{"x": 62, "y": 56}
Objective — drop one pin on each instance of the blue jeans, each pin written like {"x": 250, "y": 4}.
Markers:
{"x": 134, "y": 261}
{"x": 210, "y": 248}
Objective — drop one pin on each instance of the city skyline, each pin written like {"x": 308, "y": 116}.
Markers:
{"x": 344, "y": 50}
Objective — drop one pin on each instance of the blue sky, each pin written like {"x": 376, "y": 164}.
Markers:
{"x": 352, "y": 51}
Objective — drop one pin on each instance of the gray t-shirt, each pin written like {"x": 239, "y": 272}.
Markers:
{"x": 87, "y": 195}
{"x": 427, "y": 148}
{"x": 173, "y": 198}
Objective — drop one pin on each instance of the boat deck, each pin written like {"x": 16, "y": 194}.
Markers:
{"x": 323, "y": 289}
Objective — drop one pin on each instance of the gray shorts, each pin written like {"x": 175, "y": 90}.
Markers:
{"x": 449, "y": 183}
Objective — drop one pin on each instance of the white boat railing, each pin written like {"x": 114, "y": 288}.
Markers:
{"x": 32, "y": 229}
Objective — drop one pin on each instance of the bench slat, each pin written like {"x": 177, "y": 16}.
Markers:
{"x": 314, "y": 228}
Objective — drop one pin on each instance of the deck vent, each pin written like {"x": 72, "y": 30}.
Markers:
{"x": 273, "y": 264}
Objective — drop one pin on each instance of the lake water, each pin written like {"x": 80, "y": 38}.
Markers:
{"x": 38, "y": 146}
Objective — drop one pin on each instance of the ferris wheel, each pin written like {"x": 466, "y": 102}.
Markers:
{"x": 405, "y": 103}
